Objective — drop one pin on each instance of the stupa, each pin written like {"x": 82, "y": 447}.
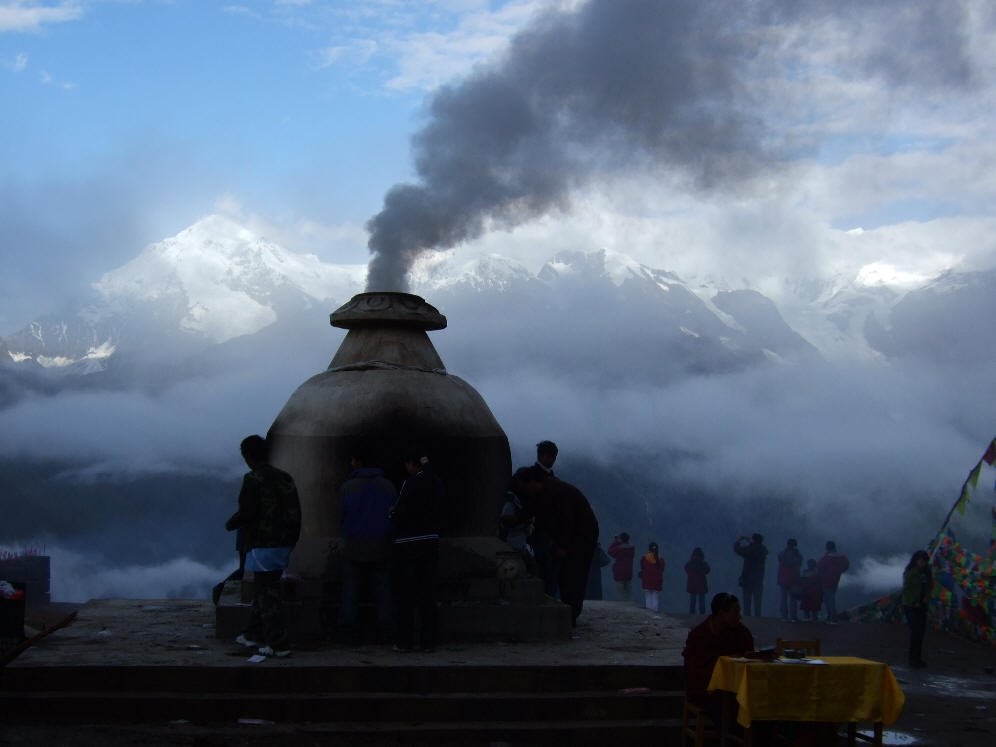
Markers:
{"x": 386, "y": 389}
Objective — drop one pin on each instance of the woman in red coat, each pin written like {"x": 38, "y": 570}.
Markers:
{"x": 622, "y": 568}
{"x": 652, "y": 573}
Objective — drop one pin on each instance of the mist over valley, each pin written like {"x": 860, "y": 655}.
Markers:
{"x": 689, "y": 414}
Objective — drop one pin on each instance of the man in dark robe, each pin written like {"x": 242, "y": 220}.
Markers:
{"x": 720, "y": 634}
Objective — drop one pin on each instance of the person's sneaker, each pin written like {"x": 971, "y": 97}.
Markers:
{"x": 270, "y": 651}
{"x": 401, "y": 649}
{"x": 243, "y": 641}
{"x": 917, "y": 663}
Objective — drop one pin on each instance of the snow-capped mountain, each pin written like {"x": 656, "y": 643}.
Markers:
{"x": 213, "y": 282}
{"x": 217, "y": 286}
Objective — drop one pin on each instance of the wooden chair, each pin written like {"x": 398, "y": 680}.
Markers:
{"x": 698, "y": 725}
{"x": 810, "y": 647}
{"x": 695, "y": 723}
{"x": 853, "y": 734}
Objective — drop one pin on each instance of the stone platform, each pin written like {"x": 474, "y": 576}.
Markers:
{"x": 153, "y": 672}
{"x": 168, "y": 680}
{"x": 115, "y": 632}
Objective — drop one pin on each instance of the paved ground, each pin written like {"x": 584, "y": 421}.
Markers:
{"x": 950, "y": 704}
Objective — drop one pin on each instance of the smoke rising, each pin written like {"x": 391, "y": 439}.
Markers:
{"x": 611, "y": 87}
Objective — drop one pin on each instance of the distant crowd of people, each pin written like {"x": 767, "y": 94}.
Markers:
{"x": 800, "y": 589}
{"x": 804, "y": 590}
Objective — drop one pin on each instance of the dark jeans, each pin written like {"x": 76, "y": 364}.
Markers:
{"x": 356, "y": 576}
{"x": 917, "y": 619}
{"x": 752, "y": 599}
{"x": 692, "y": 600}
{"x": 266, "y": 617}
{"x": 413, "y": 581}
{"x": 830, "y": 600}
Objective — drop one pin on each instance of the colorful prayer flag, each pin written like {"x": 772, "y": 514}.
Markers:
{"x": 990, "y": 456}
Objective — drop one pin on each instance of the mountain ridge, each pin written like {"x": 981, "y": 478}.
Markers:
{"x": 217, "y": 281}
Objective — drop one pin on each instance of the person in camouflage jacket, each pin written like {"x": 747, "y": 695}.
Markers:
{"x": 270, "y": 516}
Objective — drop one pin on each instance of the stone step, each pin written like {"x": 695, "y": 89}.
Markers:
{"x": 491, "y": 733}
{"x": 381, "y": 708}
{"x": 256, "y": 733}
{"x": 282, "y": 676}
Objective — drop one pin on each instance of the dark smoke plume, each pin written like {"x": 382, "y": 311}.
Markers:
{"x": 615, "y": 86}
{"x": 612, "y": 85}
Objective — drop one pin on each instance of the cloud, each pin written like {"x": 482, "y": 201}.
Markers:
{"x": 79, "y": 577}
{"x": 191, "y": 428}
{"x": 873, "y": 451}
{"x": 427, "y": 59}
{"x": 82, "y": 223}
{"x": 28, "y": 15}
{"x": 877, "y": 576}
{"x": 871, "y": 454}
{"x": 19, "y": 64}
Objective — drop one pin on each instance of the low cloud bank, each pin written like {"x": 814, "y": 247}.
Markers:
{"x": 78, "y": 577}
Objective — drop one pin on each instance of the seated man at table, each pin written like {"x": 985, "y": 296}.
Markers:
{"x": 720, "y": 634}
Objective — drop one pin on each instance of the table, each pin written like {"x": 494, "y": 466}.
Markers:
{"x": 839, "y": 689}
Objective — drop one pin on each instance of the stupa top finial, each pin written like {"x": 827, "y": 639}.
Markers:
{"x": 387, "y": 308}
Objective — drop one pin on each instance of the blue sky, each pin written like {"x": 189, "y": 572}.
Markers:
{"x": 127, "y": 120}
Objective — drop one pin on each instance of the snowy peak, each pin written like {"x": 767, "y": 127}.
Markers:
{"x": 226, "y": 280}
{"x": 439, "y": 272}
{"x": 213, "y": 282}
{"x": 605, "y": 263}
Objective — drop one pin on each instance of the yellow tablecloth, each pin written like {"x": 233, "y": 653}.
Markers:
{"x": 844, "y": 689}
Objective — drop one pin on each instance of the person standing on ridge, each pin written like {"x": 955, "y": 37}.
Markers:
{"x": 270, "y": 515}
{"x": 696, "y": 569}
{"x": 652, "y": 575}
{"x": 831, "y": 566}
{"x": 917, "y": 583}
{"x": 810, "y": 592}
{"x": 622, "y": 554}
{"x": 754, "y": 554}
{"x": 789, "y": 572}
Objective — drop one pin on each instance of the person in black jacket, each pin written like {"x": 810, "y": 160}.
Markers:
{"x": 270, "y": 516}
{"x": 415, "y": 553}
